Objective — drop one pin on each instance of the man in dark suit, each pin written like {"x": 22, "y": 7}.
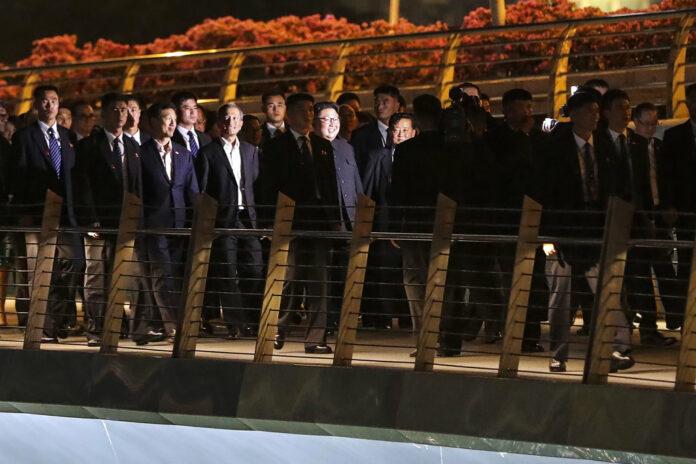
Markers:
{"x": 515, "y": 146}
{"x": 678, "y": 201}
{"x": 327, "y": 125}
{"x": 273, "y": 106}
{"x": 132, "y": 128}
{"x": 301, "y": 165}
{"x": 581, "y": 176}
{"x": 672, "y": 291}
{"x": 633, "y": 150}
{"x": 373, "y": 136}
{"x": 107, "y": 163}
{"x": 44, "y": 159}
{"x": 186, "y": 134}
{"x": 234, "y": 168}
{"x": 169, "y": 191}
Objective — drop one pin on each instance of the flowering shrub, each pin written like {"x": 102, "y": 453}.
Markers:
{"x": 403, "y": 62}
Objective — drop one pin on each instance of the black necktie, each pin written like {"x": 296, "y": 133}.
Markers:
{"x": 626, "y": 156}
{"x": 590, "y": 181}
{"x": 304, "y": 147}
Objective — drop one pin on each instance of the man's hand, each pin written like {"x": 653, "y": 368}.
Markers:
{"x": 94, "y": 234}
{"x": 549, "y": 249}
{"x": 394, "y": 244}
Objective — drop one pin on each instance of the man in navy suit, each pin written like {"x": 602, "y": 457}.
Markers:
{"x": 169, "y": 192}
{"x": 108, "y": 163}
{"x": 373, "y": 136}
{"x": 234, "y": 167}
{"x": 45, "y": 159}
{"x": 186, "y": 134}
{"x": 327, "y": 125}
{"x": 301, "y": 165}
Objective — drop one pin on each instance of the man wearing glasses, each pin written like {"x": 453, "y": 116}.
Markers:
{"x": 83, "y": 119}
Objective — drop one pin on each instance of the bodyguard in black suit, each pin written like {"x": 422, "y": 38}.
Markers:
{"x": 373, "y": 136}
{"x": 679, "y": 196}
{"x": 327, "y": 125}
{"x": 273, "y": 106}
{"x": 132, "y": 128}
{"x": 186, "y": 134}
{"x": 169, "y": 192}
{"x": 108, "y": 163}
{"x": 301, "y": 165}
{"x": 45, "y": 159}
{"x": 234, "y": 168}
{"x": 581, "y": 175}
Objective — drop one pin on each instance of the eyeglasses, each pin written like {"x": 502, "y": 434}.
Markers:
{"x": 329, "y": 120}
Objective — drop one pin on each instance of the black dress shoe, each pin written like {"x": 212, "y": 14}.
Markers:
{"x": 620, "y": 362}
{"x": 250, "y": 331}
{"x": 557, "y": 366}
{"x": 49, "y": 340}
{"x": 583, "y": 331}
{"x": 413, "y": 354}
{"x": 279, "y": 341}
{"x": 447, "y": 353}
{"x": 655, "y": 338}
{"x": 528, "y": 347}
{"x": 150, "y": 336}
{"x": 94, "y": 342}
{"x": 233, "y": 333}
{"x": 493, "y": 338}
{"x": 206, "y": 329}
{"x": 318, "y": 349}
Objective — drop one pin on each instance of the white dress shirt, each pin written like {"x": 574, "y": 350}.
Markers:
{"x": 44, "y": 130}
{"x": 272, "y": 129}
{"x": 234, "y": 157}
{"x": 184, "y": 133}
{"x": 112, "y": 139}
{"x": 383, "y": 128}
{"x": 135, "y": 137}
{"x": 165, "y": 152}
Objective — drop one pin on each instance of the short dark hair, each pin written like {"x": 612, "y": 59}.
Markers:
{"x": 396, "y": 117}
{"x": 387, "y": 90}
{"x": 223, "y": 109}
{"x": 325, "y": 105}
{"x": 139, "y": 100}
{"x": 641, "y": 108}
{"x": 484, "y": 96}
{"x": 428, "y": 107}
{"x": 578, "y": 100}
{"x": 112, "y": 98}
{"x": 3, "y": 104}
{"x": 250, "y": 117}
{"x": 77, "y": 105}
{"x": 296, "y": 98}
{"x": 597, "y": 83}
{"x": 155, "y": 110}
{"x": 690, "y": 89}
{"x": 346, "y": 97}
{"x": 277, "y": 92}
{"x": 471, "y": 85}
{"x": 40, "y": 90}
{"x": 514, "y": 95}
{"x": 611, "y": 96}
{"x": 365, "y": 118}
{"x": 180, "y": 97}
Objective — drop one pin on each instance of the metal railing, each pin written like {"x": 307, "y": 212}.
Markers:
{"x": 475, "y": 302}
{"x": 543, "y": 57}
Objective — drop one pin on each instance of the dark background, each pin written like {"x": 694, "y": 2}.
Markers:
{"x": 141, "y": 21}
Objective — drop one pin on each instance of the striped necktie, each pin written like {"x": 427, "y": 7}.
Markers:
{"x": 54, "y": 150}
{"x": 192, "y": 144}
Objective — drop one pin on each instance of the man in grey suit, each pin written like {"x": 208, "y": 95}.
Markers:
{"x": 327, "y": 125}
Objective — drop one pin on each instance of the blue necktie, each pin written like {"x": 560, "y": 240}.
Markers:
{"x": 192, "y": 144}
{"x": 55, "y": 150}
{"x": 117, "y": 149}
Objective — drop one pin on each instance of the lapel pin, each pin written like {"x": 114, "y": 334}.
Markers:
{"x": 137, "y": 155}
{"x": 323, "y": 153}
{"x": 48, "y": 153}
{"x": 70, "y": 145}
{"x": 113, "y": 167}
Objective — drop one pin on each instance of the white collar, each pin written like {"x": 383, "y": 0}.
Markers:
{"x": 185, "y": 132}
{"x": 580, "y": 142}
{"x": 110, "y": 137}
{"x": 615, "y": 135}
{"x": 44, "y": 128}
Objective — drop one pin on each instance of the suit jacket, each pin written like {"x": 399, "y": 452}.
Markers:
{"x": 35, "y": 172}
{"x": 6, "y": 170}
{"x": 563, "y": 190}
{"x": 100, "y": 178}
{"x": 347, "y": 177}
{"x": 377, "y": 181}
{"x": 364, "y": 140}
{"x": 308, "y": 181}
{"x": 679, "y": 156}
{"x": 266, "y": 135}
{"x": 222, "y": 184}
{"x": 167, "y": 203}
{"x": 200, "y": 163}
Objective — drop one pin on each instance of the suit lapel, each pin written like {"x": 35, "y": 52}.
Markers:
{"x": 225, "y": 160}
{"x": 111, "y": 159}
{"x": 151, "y": 146}
{"x": 40, "y": 141}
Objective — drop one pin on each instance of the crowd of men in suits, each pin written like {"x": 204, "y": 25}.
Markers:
{"x": 323, "y": 155}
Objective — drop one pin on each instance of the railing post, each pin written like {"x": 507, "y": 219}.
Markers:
{"x": 520, "y": 288}
{"x": 559, "y": 71}
{"x": 447, "y": 69}
{"x": 195, "y": 278}
{"x": 355, "y": 280}
{"x": 676, "y": 70}
{"x": 686, "y": 366}
{"x": 121, "y": 273}
{"x": 277, "y": 267}
{"x": 607, "y": 301}
{"x": 129, "y": 77}
{"x": 228, "y": 90}
{"x": 337, "y": 74}
{"x": 435, "y": 285}
{"x": 38, "y": 304}
{"x": 25, "y": 94}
